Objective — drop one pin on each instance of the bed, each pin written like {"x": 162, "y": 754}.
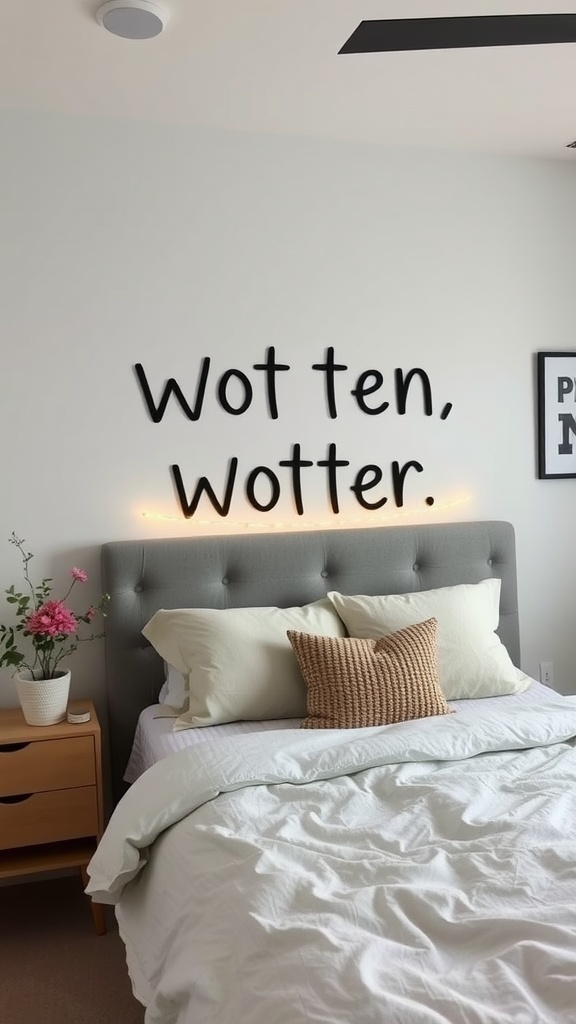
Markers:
{"x": 414, "y": 871}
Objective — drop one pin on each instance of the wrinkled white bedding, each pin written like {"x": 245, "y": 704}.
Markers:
{"x": 415, "y": 874}
{"x": 155, "y": 737}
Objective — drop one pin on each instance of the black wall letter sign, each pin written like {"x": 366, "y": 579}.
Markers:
{"x": 362, "y": 389}
{"x": 223, "y": 398}
{"x": 296, "y": 464}
{"x": 172, "y": 387}
{"x": 234, "y": 392}
{"x": 274, "y": 489}
{"x": 398, "y": 477}
{"x": 359, "y": 486}
{"x": 329, "y": 368}
{"x": 333, "y": 464}
{"x": 203, "y": 484}
{"x": 270, "y": 367}
{"x": 403, "y": 386}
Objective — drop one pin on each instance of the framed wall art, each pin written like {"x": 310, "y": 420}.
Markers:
{"x": 556, "y": 415}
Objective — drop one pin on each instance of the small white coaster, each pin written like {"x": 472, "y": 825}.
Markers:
{"x": 78, "y": 717}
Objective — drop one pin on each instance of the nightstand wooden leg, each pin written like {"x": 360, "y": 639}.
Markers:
{"x": 99, "y": 918}
{"x": 97, "y": 909}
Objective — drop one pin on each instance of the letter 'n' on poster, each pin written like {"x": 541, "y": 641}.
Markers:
{"x": 556, "y": 415}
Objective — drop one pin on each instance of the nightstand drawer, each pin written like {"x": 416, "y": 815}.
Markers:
{"x": 49, "y": 817}
{"x": 46, "y": 764}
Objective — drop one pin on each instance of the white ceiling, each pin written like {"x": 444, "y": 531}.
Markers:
{"x": 273, "y": 66}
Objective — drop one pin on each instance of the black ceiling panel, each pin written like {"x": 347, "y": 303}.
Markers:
{"x": 457, "y": 33}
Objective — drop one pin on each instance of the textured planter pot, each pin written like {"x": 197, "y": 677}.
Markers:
{"x": 43, "y": 701}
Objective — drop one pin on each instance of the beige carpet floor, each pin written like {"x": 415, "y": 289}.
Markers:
{"x": 53, "y": 966}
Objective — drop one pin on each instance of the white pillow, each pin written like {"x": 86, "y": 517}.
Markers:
{"x": 174, "y": 692}
{"x": 472, "y": 661}
{"x": 238, "y": 662}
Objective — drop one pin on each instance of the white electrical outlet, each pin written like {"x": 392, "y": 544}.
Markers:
{"x": 547, "y": 673}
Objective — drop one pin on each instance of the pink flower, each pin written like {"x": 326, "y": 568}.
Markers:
{"x": 90, "y": 613}
{"x": 79, "y": 575}
{"x": 52, "y": 619}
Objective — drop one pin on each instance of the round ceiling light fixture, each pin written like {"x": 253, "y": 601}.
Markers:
{"x": 132, "y": 19}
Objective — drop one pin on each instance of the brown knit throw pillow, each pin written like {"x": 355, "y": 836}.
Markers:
{"x": 354, "y": 683}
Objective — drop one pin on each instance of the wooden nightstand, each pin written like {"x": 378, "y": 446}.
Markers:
{"x": 51, "y": 811}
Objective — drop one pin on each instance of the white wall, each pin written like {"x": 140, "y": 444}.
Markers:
{"x": 161, "y": 245}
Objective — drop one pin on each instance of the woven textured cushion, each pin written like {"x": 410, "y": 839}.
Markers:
{"x": 355, "y": 683}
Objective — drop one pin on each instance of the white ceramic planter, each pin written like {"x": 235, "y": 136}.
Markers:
{"x": 43, "y": 701}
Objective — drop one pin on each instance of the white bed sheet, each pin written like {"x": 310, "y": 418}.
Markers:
{"x": 423, "y": 873}
{"x": 155, "y": 739}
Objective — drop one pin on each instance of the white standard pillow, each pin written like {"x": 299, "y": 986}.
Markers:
{"x": 472, "y": 661}
{"x": 174, "y": 692}
{"x": 238, "y": 662}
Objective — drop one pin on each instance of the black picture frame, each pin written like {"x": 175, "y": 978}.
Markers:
{"x": 556, "y": 415}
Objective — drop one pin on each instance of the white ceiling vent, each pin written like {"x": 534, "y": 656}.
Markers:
{"x": 132, "y": 19}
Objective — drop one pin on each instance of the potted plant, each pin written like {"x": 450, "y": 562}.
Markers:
{"x": 51, "y": 632}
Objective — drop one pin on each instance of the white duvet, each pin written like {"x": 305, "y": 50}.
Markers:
{"x": 415, "y": 874}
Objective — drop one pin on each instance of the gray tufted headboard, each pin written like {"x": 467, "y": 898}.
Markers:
{"x": 280, "y": 569}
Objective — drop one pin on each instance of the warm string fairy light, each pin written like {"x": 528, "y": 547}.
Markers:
{"x": 322, "y": 524}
